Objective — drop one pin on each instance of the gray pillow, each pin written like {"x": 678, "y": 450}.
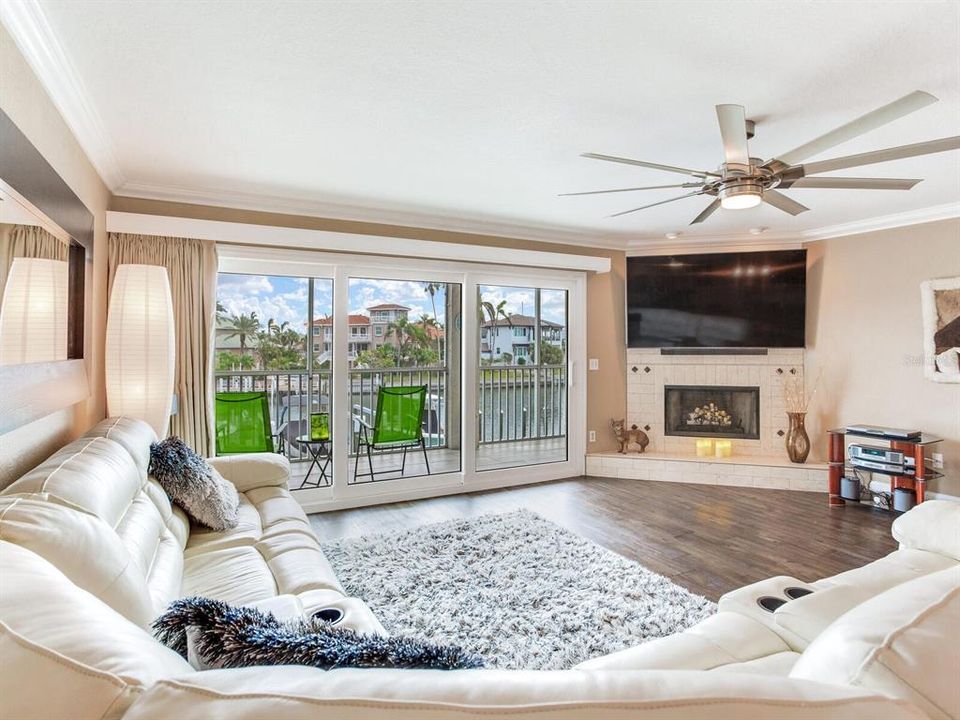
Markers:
{"x": 192, "y": 484}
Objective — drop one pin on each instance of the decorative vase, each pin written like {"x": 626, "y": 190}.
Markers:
{"x": 798, "y": 443}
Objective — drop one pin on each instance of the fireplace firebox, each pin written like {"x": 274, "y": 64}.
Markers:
{"x": 723, "y": 411}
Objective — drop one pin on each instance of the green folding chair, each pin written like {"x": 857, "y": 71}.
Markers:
{"x": 243, "y": 423}
{"x": 398, "y": 423}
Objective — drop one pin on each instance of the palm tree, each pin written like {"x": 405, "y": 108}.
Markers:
{"x": 493, "y": 314}
{"x": 407, "y": 335}
{"x": 433, "y": 288}
{"x": 427, "y": 322}
{"x": 242, "y": 326}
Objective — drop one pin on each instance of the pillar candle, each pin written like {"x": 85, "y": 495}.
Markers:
{"x": 704, "y": 448}
{"x": 723, "y": 448}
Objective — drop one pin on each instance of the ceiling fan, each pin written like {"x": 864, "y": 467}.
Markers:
{"x": 744, "y": 182}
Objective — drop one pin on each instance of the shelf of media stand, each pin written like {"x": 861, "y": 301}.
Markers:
{"x": 910, "y": 447}
{"x": 931, "y": 474}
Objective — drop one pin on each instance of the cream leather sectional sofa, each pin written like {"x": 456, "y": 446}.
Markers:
{"x": 91, "y": 551}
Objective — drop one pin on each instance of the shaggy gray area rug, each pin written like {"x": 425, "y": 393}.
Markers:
{"x": 514, "y": 588}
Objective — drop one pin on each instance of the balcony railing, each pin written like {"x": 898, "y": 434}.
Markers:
{"x": 521, "y": 402}
{"x": 515, "y": 402}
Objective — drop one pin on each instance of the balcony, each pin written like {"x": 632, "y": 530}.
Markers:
{"x": 521, "y": 417}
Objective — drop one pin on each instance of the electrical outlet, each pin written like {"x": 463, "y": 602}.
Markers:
{"x": 594, "y": 364}
{"x": 593, "y": 436}
{"x": 938, "y": 461}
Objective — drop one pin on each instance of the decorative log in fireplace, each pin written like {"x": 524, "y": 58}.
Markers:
{"x": 712, "y": 411}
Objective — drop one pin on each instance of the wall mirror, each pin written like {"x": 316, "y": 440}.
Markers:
{"x": 41, "y": 295}
{"x": 46, "y": 253}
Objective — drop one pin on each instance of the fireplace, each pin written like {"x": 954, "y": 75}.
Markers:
{"x": 723, "y": 411}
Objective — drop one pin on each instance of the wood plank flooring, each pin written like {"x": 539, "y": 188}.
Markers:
{"x": 707, "y": 538}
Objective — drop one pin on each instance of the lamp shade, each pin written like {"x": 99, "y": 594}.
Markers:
{"x": 33, "y": 312}
{"x": 140, "y": 346}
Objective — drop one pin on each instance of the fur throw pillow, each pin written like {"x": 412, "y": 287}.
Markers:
{"x": 192, "y": 484}
{"x": 225, "y": 636}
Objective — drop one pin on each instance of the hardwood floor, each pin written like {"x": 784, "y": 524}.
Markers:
{"x": 707, "y": 538}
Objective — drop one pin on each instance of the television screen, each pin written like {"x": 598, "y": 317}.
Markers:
{"x": 750, "y": 299}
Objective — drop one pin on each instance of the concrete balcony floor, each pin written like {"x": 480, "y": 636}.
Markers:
{"x": 491, "y": 456}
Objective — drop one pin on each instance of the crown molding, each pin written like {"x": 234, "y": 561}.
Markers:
{"x": 646, "y": 246}
{"x": 884, "y": 222}
{"x": 31, "y": 32}
{"x": 397, "y": 216}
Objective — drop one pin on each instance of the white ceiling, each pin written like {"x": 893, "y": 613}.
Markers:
{"x": 448, "y": 113}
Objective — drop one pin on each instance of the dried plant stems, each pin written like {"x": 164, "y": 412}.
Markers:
{"x": 795, "y": 400}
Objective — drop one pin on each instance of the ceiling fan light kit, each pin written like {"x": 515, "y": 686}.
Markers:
{"x": 743, "y": 182}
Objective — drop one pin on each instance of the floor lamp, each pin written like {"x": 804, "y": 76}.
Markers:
{"x": 140, "y": 346}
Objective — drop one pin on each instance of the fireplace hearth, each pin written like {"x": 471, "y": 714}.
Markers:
{"x": 723, "y": 411}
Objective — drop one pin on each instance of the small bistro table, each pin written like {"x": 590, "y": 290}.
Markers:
{"x": 320, "y": 458}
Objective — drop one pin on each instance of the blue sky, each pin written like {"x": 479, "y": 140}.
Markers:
{"x": 285, "y": 299}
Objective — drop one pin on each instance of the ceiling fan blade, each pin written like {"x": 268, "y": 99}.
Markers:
{"x": 782, "y": 202}
{"x": 863, "y": 124}
{"x": 649, "y": 187}
{"x": 733, "y": 132}
{"x": 849, "y": 183}
{"x": 662, "y": 202}
{"x": 894, "y": 153}
{"x": 654, "y": 166}
{"x": 707, "y": 212}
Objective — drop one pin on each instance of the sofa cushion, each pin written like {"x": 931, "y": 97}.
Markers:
{"x": 77, "y": 658}
{"x": 902, "y": 643}
{"x": 933, "y": 525}
{"x": 720, "y": 639}
{"x": 237, "y": 575}
{"x": 83, "y": 547}
{"x": 134, "y": 435}
{"x": 94, "y": 473}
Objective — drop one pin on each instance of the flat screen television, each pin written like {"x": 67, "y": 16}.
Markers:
{"x": 735, "y": 300}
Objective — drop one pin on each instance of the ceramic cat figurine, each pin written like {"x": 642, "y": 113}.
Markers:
{"x": 626, "y": 437}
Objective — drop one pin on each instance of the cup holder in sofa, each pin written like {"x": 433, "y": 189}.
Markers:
{"x": 795, "y": 593}
{"x": 329, "y": 615}
{"x": 770, "y": 603}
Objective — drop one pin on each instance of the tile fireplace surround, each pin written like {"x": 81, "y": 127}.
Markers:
{"x": 754, "y": 463}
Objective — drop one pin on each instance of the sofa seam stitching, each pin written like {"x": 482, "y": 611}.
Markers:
{"x": 519, "y": 709}
{"x": 69, "y": 663}
{"x": 43, "y": 485}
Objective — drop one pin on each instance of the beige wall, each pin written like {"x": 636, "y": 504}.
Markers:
{"x": 23, "y": 98}
{"x": 864, "y": 331}
{"x": 606, "y": 389}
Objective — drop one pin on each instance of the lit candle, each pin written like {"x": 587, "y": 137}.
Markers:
{"x": 723, "y": 448}
{"x": 704, "y": 448}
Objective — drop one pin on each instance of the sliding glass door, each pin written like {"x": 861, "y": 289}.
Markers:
{"x": 272, "y": 371}
{"x": 522, "y": 381}
{"x": 404, "y": 375}
{"x": 373, "y": 377}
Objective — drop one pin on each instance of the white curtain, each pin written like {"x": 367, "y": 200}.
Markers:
{"x": 192, "y": 267}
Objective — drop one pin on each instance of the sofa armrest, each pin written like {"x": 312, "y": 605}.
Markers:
{"x": 302, "y": 693}
{"x": 722, "y": 639}
{"x": 931, "y": 526}
{"x": 806, "y": 617}
{"x": 254, "y": 470}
